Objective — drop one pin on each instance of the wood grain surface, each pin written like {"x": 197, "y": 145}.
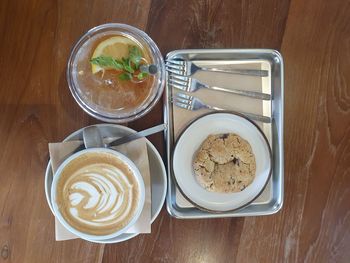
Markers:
{"x": 36, "y": 108}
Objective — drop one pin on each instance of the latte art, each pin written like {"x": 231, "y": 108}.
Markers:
{"x": 98, "y": 194}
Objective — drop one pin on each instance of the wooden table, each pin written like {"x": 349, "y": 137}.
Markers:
{"x": 37, "y": 108}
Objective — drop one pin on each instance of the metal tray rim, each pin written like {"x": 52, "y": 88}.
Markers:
{"x": 278, "y": 204}
{"x": 231, "y": 50}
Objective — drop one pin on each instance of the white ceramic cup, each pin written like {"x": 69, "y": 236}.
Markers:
{"x": 137, "y": 176}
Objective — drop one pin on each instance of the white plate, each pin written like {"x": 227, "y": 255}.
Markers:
{"x": 157, "y": 171}
{"x": 190, "y": 141}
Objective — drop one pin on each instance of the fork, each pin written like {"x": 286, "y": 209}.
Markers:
{"x": 191, "y": 85}
{"x": 192, "y": 103}
{"x": 188, "y": 68}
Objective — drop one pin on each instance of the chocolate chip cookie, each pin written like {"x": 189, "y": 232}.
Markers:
{"x": 224, "y": 163}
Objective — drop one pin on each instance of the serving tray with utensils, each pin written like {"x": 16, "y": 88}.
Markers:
{"x": 248, "y": 82}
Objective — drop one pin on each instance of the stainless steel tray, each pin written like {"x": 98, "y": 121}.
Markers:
{"x": 271, "y": 199}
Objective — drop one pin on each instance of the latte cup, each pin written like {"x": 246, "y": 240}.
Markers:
{"x": 97, "y": 194}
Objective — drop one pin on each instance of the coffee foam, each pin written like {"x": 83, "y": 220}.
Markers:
{"x": 97, "y": 193}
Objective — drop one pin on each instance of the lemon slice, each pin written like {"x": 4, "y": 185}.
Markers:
{"x": 115, "y": 47}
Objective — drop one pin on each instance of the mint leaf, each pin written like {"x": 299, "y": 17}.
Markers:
{"x": 107, "y": 62}
{"x": 134, "y": 66}
{"x": 125, "y": 76}
{"x": 127, "y": 65}
{"x": 135, "y": 55}
{"x": 142, "y": 75}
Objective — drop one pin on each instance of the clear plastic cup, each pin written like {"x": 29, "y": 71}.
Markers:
{"x": 98, "y": 104}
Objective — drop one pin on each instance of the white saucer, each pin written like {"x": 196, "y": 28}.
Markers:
{"x": 157, "y": 171}
{"x": 190, "y": 141}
